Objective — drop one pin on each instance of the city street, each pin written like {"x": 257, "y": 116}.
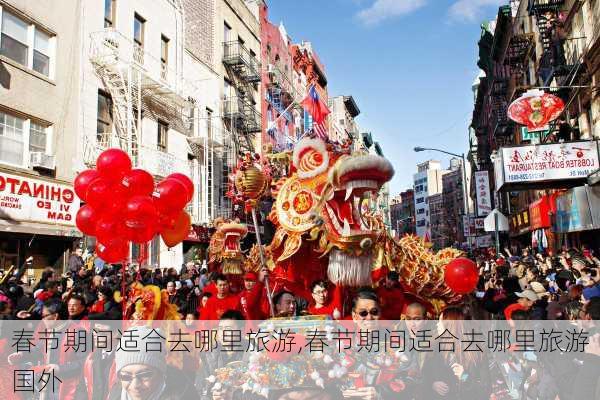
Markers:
{"x": 300, "y": 165}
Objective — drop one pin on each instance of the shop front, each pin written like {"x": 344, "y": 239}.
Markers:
{"x": 519, "y": 228}
{"x": 37, "y": 218}
{"x": 541, "y": 213}
{"x": 578, "y": 217}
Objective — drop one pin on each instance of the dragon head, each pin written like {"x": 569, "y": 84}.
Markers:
{"x": 225, "y": 245}
{"x": 322, "y": 201}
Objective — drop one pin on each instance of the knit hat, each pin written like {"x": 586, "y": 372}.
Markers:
{"x": 142, "y": 345}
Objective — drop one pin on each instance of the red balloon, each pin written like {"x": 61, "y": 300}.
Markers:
{"x": 142, "y": 234}
{"x": 186, "y": 181}
{"x": 179, "y": 232}
{"x": 97, "y": 193}
{"x": 83, "y": 180}
{"x": 461, "y": 275}
{"x": 114, "y": 251}
{"x": 170, "y": 196}
{"x": 138, "y": 182}
{"x": 86, "y": 220}
{"x": 141, "y": 219}
{"x": 106, "y": 196}
{"x": 167, "y": 221}
{"x": 113, "y": 164}
{"x": 108, "y": 227}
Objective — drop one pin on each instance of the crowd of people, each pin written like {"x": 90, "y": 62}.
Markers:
{"x": 511, "y": 287}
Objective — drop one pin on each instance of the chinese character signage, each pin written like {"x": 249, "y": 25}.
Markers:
{"x": 557, "y": 161}
{"x": 36, "y": 200}
{"x": 484, "y": 200}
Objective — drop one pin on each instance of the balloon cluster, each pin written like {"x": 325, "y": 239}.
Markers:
{"x": 123, "y": 205}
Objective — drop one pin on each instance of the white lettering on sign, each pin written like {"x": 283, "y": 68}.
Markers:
{"x": 550, "y": 162}
{"x": 35, "y": 200}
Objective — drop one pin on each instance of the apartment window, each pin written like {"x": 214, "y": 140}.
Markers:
{"x": 421, "y": 223}
{"x": 138, "y": 29}
{"x": 14, "y": 38}
{"x": 41, "y": 53}
{"x": 209, "y": 113}
{"x": 163, "y": 129}
{"x": 18, "y": 137}
{"x": 164, "y": 49}
{"x": 12, "y": 139}
{"x": 164, "y": 56}
{"x": 105, "y": 117}
{"x": 37, "y": 138}
{"x": 226, "y": 32}
{"x": 16, "y": 42}
{"x": 420, "y": 200}
{"x": 109, "y": 13}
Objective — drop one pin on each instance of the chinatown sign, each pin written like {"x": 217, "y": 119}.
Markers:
{"x": 548, "y": 162}
{"x": 36, "y": 200}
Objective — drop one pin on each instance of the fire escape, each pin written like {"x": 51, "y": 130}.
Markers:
{"x": 136, "y": 81}
{"x": 499, "y": 123}
{"x": 518, "y": 54}
{"x": 281, "y": 94}
{"x": 546, "y": 13}
{"x": 239, "y": 108}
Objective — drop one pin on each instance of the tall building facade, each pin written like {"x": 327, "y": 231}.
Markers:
{"x": 342, "y": 118}
{"x": 283, "y": 87}
{"x": 453, "y": 201}
{"x": 427, "y": 182}
{"x": 39, "y": 93}
{"x": 402, "y": 213}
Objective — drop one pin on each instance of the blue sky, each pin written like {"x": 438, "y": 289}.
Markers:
{"x": 409, "y": 64}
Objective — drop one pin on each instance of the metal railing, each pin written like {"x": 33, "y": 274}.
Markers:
{"x": 235, "y": 54}
{"x": 242, "y": 113}
{"x": 111, "y": 48}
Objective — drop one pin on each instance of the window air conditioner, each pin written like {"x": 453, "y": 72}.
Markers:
{"x": 41, "y": 160}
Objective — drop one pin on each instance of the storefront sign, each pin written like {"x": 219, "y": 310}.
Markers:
{"x": 484, "y": 200}
{"x": 573, "y": 211}
{"x": 539, "y": 213}
{"x": 36, "y": 200}
{"x": 519, "y": 223}
{"x": 533, "y": 135}
{"x": 479, "y": 223}
{"x": 549, "y": 162}
{"x": 484, "y": 241}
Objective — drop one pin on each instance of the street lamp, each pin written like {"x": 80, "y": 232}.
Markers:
{"x": 419, "y": 149}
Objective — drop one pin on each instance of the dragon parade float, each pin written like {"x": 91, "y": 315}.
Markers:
{"x": 325, "y": 229}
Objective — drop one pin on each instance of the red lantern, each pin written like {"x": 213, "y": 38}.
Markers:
{"x": 170, "y": 196}
{"x": 535, "y": 109}
{"x": 179, "y": 232}
{"x": 138, "y": 182}
{"x": 116, "y": 250}
{"x": 113, "y": 164}
{"x": 86, "y": 220}
{"x": 461, "y": 275}
{"x": 187, "y": 182}
{"x": 83, "y": 180}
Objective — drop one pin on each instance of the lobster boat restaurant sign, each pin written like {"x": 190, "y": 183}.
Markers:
{"x": 36, "y": 200}
{"x": 548, "y": 162}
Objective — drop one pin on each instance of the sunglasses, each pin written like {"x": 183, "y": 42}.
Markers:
{"x": 142, "y": 376}
{"x": 373, "y": 311}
